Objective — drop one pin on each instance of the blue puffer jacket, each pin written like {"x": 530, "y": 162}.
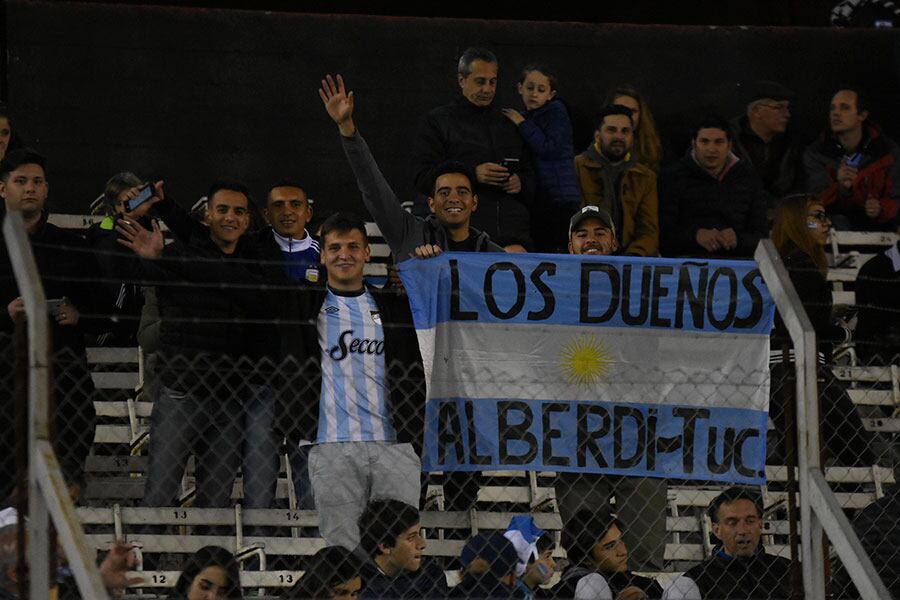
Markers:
{"x": 548, "y": 132}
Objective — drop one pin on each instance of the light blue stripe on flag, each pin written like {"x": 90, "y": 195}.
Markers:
{"x": 611, "y": 291}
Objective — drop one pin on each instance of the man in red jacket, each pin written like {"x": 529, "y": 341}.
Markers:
{"x": 854, "y": 168}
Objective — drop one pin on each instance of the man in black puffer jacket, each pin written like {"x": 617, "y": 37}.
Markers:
{"x": 711, "y": 204}
{"x": 740, "y": 568}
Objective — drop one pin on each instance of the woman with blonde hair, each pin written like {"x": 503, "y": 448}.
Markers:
{"x": 647, "y": 146}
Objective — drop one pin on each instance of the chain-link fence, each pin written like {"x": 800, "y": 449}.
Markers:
{"x": 279, "y": 456}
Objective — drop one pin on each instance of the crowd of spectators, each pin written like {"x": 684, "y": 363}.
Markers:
{"x": 273, "y": 296}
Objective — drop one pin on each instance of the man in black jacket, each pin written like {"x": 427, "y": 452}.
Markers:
{"x": 762, "y": 137}
{"x": 391, "y": 538}
{"x": 66, "y": 268}
{"x": 200, "y": 341}
{"x": 740, "y": 568}
{"x": 474, "y": 132}
{"x": 711, "y": 204}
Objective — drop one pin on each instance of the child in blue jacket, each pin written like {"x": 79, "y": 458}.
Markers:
{"x": 547, "y": 130}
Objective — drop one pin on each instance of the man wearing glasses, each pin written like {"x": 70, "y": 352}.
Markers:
{"x": 762, "y": 138}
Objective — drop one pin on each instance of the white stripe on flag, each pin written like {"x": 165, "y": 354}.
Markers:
{"x": 477, "y": 360}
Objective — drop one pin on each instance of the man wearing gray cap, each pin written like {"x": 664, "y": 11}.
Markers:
{"x": 640, "y": 501}
{"x": 591, "y": 231}
{"x": 762, "y": 138}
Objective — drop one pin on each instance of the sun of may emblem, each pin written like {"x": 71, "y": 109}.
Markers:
{"x": 585, "y": 360}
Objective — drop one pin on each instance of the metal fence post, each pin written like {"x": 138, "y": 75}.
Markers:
{"x": 817, "y": 501}
{"x": 45, "y": 480}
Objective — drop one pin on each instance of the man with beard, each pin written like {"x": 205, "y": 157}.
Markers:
{"x": 639, "y": 500}
{"x": 611, "y": 179}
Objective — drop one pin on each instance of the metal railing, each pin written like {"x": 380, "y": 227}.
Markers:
{"x": 47, "y": 494}
{"x": 819, "y": 509}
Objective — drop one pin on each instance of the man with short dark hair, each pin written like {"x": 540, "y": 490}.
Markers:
{"x": 473, "y": 131}
{"x": 762, "y": 137}
{"x": 363, "y": 406}
{"x": 609, "y": 177}
{"x": 712, "y": 204}
{"x": 286, "y": 242}
{"x": 740, "y": 568}
{"x": 452, "y": 198}
{"x": 599, "y": 560}
{"x": 391, "y": 537}
{"x": 854, "y": 168}
{"x": 201, "y": 393}
{"x": 640, "y": 500}
{"x": 67, "y": 270}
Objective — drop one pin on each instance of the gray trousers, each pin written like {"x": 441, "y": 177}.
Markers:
{"x": 180, "y": 422}
{"x": 640, "y": 505}
{"x": 345, "y": 476}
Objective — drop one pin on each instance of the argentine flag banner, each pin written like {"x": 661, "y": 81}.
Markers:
{"x": 619, "y": 365}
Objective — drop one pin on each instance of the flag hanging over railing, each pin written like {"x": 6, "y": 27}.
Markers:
{"x": 618, "y": 365}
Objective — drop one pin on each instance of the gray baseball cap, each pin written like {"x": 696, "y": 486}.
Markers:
{"x": 591, "y": 212}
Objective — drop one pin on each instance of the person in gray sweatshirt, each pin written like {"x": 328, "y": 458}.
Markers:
{"x": 452, "y": 202}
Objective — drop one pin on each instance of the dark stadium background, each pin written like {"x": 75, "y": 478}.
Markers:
{"x": 189, "y": 93}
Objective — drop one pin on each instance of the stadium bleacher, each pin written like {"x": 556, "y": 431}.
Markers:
{"x": 117, "y": 462}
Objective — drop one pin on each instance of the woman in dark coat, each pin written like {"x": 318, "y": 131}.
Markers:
{"x": 799, "y": 233}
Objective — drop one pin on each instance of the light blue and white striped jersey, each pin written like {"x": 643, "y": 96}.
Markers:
{"x": 353, "y": 398}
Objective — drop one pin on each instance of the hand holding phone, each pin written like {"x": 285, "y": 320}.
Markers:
{"x": 145, "y": 192}
{"x": 511, "y": 164}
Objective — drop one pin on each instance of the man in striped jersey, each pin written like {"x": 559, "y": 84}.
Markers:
{"x": 367, "y": 415}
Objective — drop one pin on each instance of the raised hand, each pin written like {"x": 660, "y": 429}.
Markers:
{"x": 146, "y": 244}
{"x": 338, "y": 103}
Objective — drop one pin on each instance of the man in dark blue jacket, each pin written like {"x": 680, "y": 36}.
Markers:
{"x": 740, "y": 568}
{"x": 391, "y": 537}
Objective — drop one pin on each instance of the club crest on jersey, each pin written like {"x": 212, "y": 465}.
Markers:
{"x": 376, "y": 316}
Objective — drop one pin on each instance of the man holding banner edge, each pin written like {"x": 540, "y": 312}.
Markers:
{"x": 452, "y": 202}
{"x": 640, "y": 501}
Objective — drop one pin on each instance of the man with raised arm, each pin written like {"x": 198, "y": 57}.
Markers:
{"x": 452, "y": 203}
{"x": 452, "y": 199}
